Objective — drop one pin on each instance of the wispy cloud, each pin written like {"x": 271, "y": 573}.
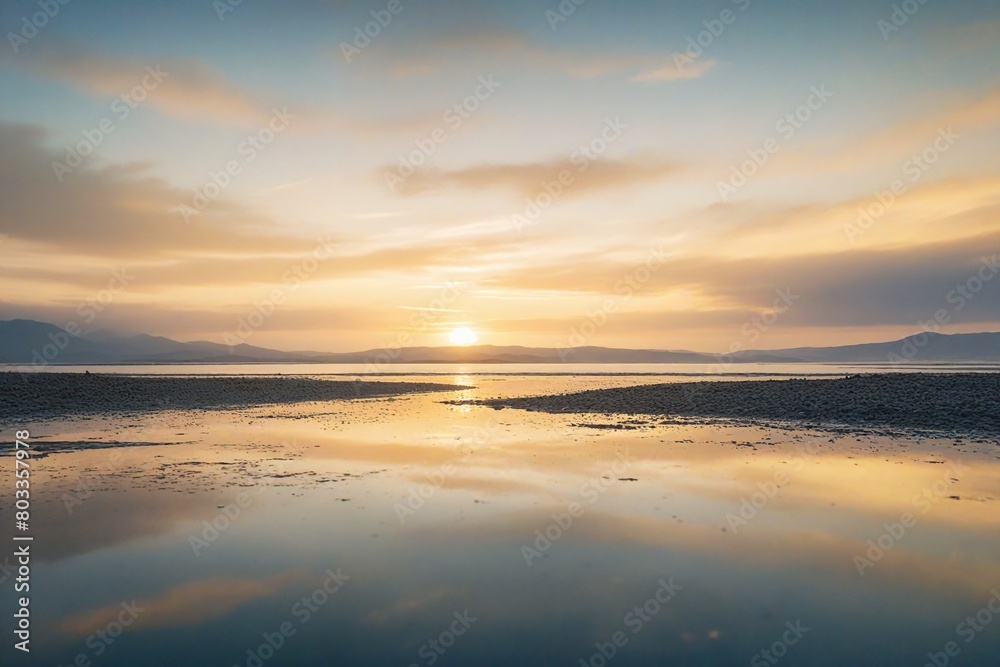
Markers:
{"x": 117, "y": 211}
{"x": 527, "y": 179}
{"x": 674, "y": 72}
{"x": 505, "y": 50}
{"x": 188, "y": 604}
{"x": 187, "y": 89}
{"x": 193, "y": 91}
{"x": 962, "y": 113}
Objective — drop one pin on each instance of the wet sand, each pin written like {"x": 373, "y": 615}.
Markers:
{"x": 947, "y": 403}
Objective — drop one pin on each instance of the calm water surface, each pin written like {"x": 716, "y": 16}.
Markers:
{"x": 409, "y": 532}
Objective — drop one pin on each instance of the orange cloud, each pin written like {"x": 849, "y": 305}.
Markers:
{"x": 528, "y": 179}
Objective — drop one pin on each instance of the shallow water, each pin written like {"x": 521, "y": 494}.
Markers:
{"x": 406, "y": 531}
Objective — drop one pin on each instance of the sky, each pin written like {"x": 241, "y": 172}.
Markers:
{"x": 341, "y": 176}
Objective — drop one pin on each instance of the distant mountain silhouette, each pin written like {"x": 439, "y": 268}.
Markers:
{"x": 921, "y": 347}
{"x": 31, "y": 342}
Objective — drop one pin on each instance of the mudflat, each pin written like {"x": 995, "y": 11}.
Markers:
{"x": 51, "y": 395}
{"x": 953, "y": 402}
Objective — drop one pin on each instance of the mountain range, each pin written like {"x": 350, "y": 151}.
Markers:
{"x": 31, "y": 342}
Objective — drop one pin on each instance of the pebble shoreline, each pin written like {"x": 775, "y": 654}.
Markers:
{"x": 32, "y": 396}
{"x": 956, "y": 403}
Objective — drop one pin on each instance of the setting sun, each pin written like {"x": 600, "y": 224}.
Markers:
{"x": 463, "y": 336}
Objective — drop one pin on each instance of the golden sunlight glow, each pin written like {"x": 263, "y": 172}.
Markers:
{"x": 463, "y": 336}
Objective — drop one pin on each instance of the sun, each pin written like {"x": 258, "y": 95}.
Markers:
{"x": 463, "y": 336}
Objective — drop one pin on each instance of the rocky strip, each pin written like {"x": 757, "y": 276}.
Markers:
{"x": 26, "y": 397}
{"x": 955, "y": 403}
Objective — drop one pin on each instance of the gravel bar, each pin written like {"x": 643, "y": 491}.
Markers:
{"x": 965, "y": 402}
{"x": 27, "y": 396}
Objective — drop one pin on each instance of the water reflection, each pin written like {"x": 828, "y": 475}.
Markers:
{"x": 632, "y": 550}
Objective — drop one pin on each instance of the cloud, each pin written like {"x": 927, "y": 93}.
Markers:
{"x": 898, "y": 286}
{"x": 962, "y": 114}
{"x": 192, "y": 91}
{"x": 186, "y": 321}
{"x": 337, "y": 261}
{"x": 676, "y": 72}
{"x": 187, "y": 89}
{"x": 103, "y": 522}
{"x": 187, "y": 604}
{"x": 498, "y": 49}
{"x": 417, "y": 604}
{"x": 930, "y": 212}
{"x": 528, "y": 179}
{"x": 117, "y": 211}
